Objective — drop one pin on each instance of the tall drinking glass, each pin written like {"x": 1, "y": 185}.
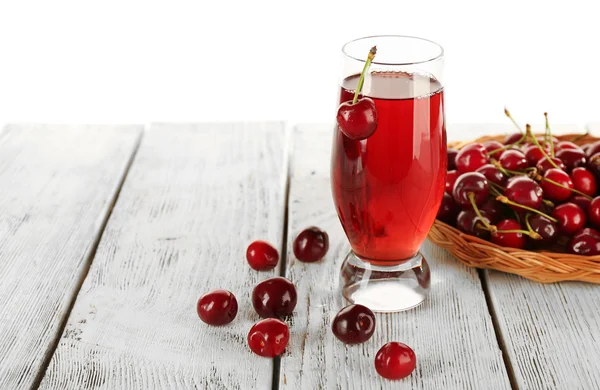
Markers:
{"x": 388, "y": 187}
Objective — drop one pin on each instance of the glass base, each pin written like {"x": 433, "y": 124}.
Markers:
{"x": 385, "y": 289}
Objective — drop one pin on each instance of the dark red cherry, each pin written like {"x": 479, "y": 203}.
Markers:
{"x": 585, "y": 148}
{"x": 585, "y": 243}
{"x": 512, "y": 138}
{"x": 566, "y": 145}
{"x": 584, "y": 181}
{"x": 544, "y": 227}
{"x": 571, "y": 218}
{"x": 494, "y": 210}
{"x": 470, "y": 158}
{"x": 218, "y": 307}
{"x": 354, "y": 324}
{"x": 491, "y": 146}
{"x": 268, "y": 337}
{"x": 467, "y": 183}
{"x": 506, "y": 238}
{"x": 555, "y": 192}
{"x": 275, "y": 297}
{"x": 395, "y": 361}
{"x": 451, "y": 158}
{"x": 580, "y": 201}
{"x": 593, "y": 211}
{"x": 450, "y": 179}
{"x": 513, "y": 160}
{"x": 542, "y": 140}
{"x": 593, "y": 148}
{"x": 572, "y": 158}
{"x": 448, "y": 209}
{"x": 533, "y": 154}
{"x": 493, "y": 174}
{"x": 357, "y": 121}
{"x": 311, "y": 245}
{"x": 262, "y": 256}
{"x": 468, "y": 222}
{"x": 525, "y": 192}
{"x": 544, "y": 164}
{"x": 593, "y": 165}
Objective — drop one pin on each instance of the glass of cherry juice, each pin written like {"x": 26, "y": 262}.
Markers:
{"x": 387, "y": 187}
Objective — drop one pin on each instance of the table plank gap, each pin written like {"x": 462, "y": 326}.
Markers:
{"x": 58, "y": 186}
{"x": 452, "y": 332}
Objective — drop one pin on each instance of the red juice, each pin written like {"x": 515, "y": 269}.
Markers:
{"x": 387, "y": 188}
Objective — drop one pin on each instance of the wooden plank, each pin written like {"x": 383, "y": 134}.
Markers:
{"x": 58, "y": 185}
{"x": 451, "y": 333}
{"x": 195, "y": 197}
{"x": 551, "y": 332}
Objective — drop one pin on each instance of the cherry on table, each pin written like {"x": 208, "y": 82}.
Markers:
{"x": 581, "y": 201}
{"x": 448, "y": 209}
{"x": 395, "y": 361}
{"x": 493, "y": 145}
{"x": 544, "y": 164}
{"x": 275, "y": 297}
{"x": 218, "y": 307}
{"x": 560, "y": 192}
{"x": 593, "y": 211}
{"x": 354, "y": 324}
{"x": 470, "y": 158}
{"x": 451, "y": 177}
{"x": 525, "y": 192}
{"x": 469, "y": 222}
{"x": 268, "y": 337}
{"x": 493, "y": 174}
{"x": 572, "y": 158}
{"x": 571, "y": 218}
{"x": 262, "y": 256}
{"x": 357, "y": 120}
{"x": 584, "y": 181}
{"x": 451, "y": 158}
{"x": 470, "y": 183}
{"x": 513, "y": 160}
{"x": 544, "y": 227}
{"x": 585, "y": 243}
{"x": 509, "y": 239}
{"x": 311, "y": 245}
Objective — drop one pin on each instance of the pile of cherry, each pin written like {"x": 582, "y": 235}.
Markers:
{"x": 531, "y": 192}
{"x": 275, "y": 298}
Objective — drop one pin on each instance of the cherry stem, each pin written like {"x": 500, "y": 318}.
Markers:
{"x": 361, "y": 81}
{"x": 532, "y": 234}
{"x": 497, "y": 164}
{"x": 548, "y": 203}
{"x": 549, "y": 135}
{"x": 580, "y": 136}
{"x": 495, "y": 192}
{"x": 497, "y": 186}
{"x": 535, "y": 141}
{"x": 505, "y": 200}
{"x": 567, "y": 188}
{"x": 507, "y": 113}
{"x": 483, "y": 220}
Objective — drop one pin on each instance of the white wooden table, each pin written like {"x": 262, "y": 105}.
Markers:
{"x": 109, "y": 234}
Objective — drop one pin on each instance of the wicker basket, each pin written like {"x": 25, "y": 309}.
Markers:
{"x": 541, "y": 266}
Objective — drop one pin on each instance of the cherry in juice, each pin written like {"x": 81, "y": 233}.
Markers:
{"x": 387, "y": 188}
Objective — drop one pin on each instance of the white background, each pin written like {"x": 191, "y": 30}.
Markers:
{"x": 137, "y": 62}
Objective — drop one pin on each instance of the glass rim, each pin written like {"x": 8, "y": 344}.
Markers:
{"x": 435, "y": 58}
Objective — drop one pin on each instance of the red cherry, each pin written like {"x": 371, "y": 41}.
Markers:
{"x": 354, "y": 324}
{"x": 509, "y": 239}
{"x": 357, "y": 121}
{"x": 262, "y": 256}
{"x": 467, "y": 183}
{"x": 566, "y": 145}
{"x": 468, "y": 222}
{"x": 593, "y": 211}
{"x": 268, "y": 337}
{"x": 544, "y": 227}
{"x": 493, "y": 174}
{"x": 218, "y": 307}
{"x": 451, "y": 152}
{"x": 492, "y": 209}
{"x": 311, "y": 245}
{"x": 533, "y": 154}
{"x": 512, "y": 138}
{"x": 492, "y": 145}
{"x": 572, "y": 158}
{"x": 470, "y": 158}
{"x": 395, "y": 361}
{"x": 513, "y": 160}
{"x": 525, "y": 192}
{"x": 585, "y": 148}
{"x": 448, "y": 209}
{"x": 553, "y": 191}
{"x": 593, "y": 165}
{"x": 585, "y": 243}
{"x": 450, "y": 179}
{"x": 584, "y": 181}
{"x": 544, "y": 164}
{"x": 274, "y": 297}
{"x": 580, "y": 201}
{"x": 593, "y": 148}
{"x": 571, "y": 218}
